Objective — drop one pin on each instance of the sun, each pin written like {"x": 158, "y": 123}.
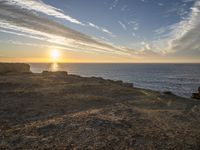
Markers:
{"x": 55, "y": 54}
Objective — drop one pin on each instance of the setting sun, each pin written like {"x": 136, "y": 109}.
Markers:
{"x": 55, "y": 54}
{"x": 100, "y": 74}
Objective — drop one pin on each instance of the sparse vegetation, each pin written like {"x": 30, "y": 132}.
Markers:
{"x": 40, "y": 111}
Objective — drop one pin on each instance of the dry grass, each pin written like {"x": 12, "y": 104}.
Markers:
{"x": 72, "y": 112}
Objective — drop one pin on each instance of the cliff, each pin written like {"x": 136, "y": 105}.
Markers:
{"x": 64, "y": 111}
{"x": 7, "y": 68}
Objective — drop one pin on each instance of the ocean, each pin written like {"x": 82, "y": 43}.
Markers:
{"x": 181, "y": 79}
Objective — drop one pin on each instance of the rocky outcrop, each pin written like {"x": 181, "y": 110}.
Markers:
{"x": 130, "y": 85}
{"x": 119, "y": 82}
{"x": 168, "y": 93}
{"x": 196, "y": 95}
{"x": 57, "y": 73}
{"x": 9, "y": 68}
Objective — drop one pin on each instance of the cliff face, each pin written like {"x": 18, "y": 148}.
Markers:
{"x": 6, "y": 68}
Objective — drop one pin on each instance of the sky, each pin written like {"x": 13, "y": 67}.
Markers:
{"x": 129, "y": 31}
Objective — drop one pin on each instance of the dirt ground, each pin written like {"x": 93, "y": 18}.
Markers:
{"x": 59, "y": 111}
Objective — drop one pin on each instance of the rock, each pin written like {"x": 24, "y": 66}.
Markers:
{"x": 57, "y": 73}
{"x": 196, "y": 95}
{"x": 168, "y": 93}
{"x": 128, "y": 85}
{"x": 119, "y": 82}
{"x": 10, "y": 68}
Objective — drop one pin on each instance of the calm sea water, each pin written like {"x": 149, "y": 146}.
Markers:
{"x": 181, "y": 79}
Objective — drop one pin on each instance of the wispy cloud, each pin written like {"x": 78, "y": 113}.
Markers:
{"x": 122, "y": 25}
{"x": 114, "y": 4}
{"x": 145, "y": 45}
{"x": 124, "y": 8}
{"x": 186, "y": 34}
{"x": 179, "y": 9}
{"x": 134, "y": 25}
{"x": 143, "y": 0}
{"x": 101, "y": 29}
{"x": 182, "y": 38}
{"x": 23, "y": 18}
{"x": 133, "y": 34}
{"x": 160, "y": 4}
{"x": 39, "y": 6}
{"x": 23, "y": 22}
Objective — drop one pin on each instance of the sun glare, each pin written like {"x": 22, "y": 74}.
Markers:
{"x": 55, "y": 54}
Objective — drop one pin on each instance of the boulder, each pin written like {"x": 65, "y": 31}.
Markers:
{"x": 119, "y": 82}
{"x": 196, "y": 95}
{"x": 128, "y": 85}
{"x": 168, "y": 93}
{"x": 10, "y": 68}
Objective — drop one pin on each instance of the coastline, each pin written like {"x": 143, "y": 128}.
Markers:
{"x": 59, "y": 110}
{"x": 157, "y": 77}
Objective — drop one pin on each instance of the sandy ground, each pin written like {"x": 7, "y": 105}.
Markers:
{"x": 57, "y": 111}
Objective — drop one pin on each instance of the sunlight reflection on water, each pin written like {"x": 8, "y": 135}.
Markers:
{"x": 54, "y": 67}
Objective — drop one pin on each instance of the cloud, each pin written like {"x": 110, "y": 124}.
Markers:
{"x": 186, "y": 36}
{"x": 144, "y": 1}
{"x": 101, "y": 29}
{"x": 122, "y": 25}
{"x": 114, "y": 4}
{"x": 160, "y": 4}
{"x": 181, "y": 39}
{"x": 124, "y": 8}
{"x": 134, "y": 25}
{"x": 186, "y": 1}
{"x": 179, "y": 9}
{"x": 133, "y": 34}
{"x": 39, "y": 6}
{"x": 23, "y": 22}
{"x": 145, "y": 46}
{"x": 135, "y": 28}
{"x": 26, "y": 22}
